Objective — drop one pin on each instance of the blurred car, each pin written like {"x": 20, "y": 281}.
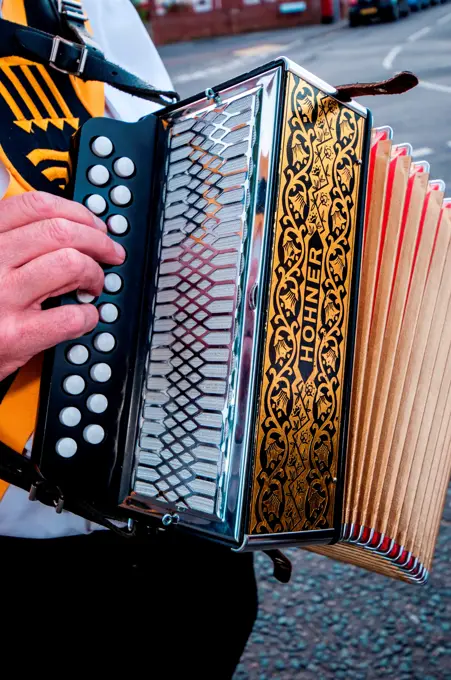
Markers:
{"x": 416, "y": 5}
{"x": 361, "y": 11}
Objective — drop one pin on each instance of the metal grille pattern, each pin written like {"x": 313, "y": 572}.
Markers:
{"x": 180, "y": 452}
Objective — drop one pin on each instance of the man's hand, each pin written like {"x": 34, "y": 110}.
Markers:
{"x": 48, "y": 246}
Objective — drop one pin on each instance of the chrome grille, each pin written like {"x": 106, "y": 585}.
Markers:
{"x": 188, "y": 397}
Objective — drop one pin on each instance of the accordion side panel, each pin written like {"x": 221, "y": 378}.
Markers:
{"x": 303, "y": 394}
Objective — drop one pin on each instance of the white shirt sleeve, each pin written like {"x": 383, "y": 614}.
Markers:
{"x": 124, "y": 39}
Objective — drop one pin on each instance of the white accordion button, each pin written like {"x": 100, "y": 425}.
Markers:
{"x": 66, "y": 447}
{"x": 108, "y": 312}
{"x": 84, "y": 298}
{"x": 101, "y": 372}
{"x": 97, "y": 403}
{"x": 98, "y": 175}
{"x": 94, "y": 434}
{"x": 124, "y": 167}
{"x": 74, "y": 384}
{"x": 117, "y": 224}
{"x": 121, "y": 195}
{"x": 96, "y": 204}
{"x": 102, "y": 146}
{"x": 113, "y": 283}
{"x": 70, "y": 416}
{"x": 104, "y": 342}
{"x": 78, "y": 354}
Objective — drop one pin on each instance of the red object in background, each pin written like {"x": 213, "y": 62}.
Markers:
{"x": 328, "y": 11}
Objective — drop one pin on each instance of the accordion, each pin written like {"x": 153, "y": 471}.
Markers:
{"x": 271, "y": 366}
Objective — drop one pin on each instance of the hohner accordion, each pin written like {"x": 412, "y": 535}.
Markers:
{"x": 235, "y": 386}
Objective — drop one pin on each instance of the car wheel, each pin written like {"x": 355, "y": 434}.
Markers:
{"x": 353, "y": 21}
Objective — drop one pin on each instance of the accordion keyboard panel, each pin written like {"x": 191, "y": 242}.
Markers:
{"x": 89, "y": 383}
{"x": 188, "y": 393}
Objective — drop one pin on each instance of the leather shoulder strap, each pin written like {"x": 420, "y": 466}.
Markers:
{"x": 82, "y": 60}
{"x": 398, "y": 84}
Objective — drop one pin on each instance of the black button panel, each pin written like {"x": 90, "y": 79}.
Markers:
{"x": 86, "y": 382}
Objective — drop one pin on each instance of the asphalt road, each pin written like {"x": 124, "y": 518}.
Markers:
{"x": 335, "y": 621}
{"x": 421, "y": 43}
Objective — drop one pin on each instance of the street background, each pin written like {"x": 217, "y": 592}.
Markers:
{"x": 333, "y": 620}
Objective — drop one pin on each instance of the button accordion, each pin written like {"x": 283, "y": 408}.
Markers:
{"x": 272, "y": 362}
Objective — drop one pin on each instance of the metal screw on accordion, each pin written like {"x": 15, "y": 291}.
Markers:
{"x": 211, "y": 94}
{"x": 168, "y": 519}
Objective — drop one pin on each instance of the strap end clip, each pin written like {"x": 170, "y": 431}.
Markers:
{"x": 72, "y": 9}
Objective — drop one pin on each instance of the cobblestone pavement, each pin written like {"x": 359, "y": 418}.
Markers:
{"x": 337, "y": 621}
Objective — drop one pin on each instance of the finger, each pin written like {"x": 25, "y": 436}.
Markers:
{"x": 54, "y": 273}
{"x": 33, "y": 240}
{"x": 34, "y": 206}
{"x": 40, "y": 330}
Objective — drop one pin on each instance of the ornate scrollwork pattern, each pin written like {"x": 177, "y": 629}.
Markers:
{"x": 298, "y": 427}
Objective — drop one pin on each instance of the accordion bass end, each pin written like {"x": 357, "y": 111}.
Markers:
{"x": 215, "y": 393}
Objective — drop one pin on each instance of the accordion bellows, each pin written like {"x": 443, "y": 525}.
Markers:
{"x": 280, "y": 372}
{"x": 398, "y": 464}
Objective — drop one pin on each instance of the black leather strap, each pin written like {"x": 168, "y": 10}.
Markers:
{"x": 398, "y": 84}
{"x": 21, "y": 472}
{"x": 84, "y": 61}
{"x": 16, "y": 469}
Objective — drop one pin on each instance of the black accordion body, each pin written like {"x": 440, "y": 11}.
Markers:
{"x": 214, "y": 392}
{"x": 272, "y": 364}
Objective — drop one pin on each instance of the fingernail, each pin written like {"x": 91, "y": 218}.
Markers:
{"x": 119, "y": 250}
{"x": 99, "y": 224}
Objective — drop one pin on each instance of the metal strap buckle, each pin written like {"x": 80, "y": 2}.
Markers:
{"x": 72, "y": 9}
{"x": 81, "y": 60}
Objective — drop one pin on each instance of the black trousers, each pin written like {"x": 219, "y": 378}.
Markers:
{"x": 169, "y": 607}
